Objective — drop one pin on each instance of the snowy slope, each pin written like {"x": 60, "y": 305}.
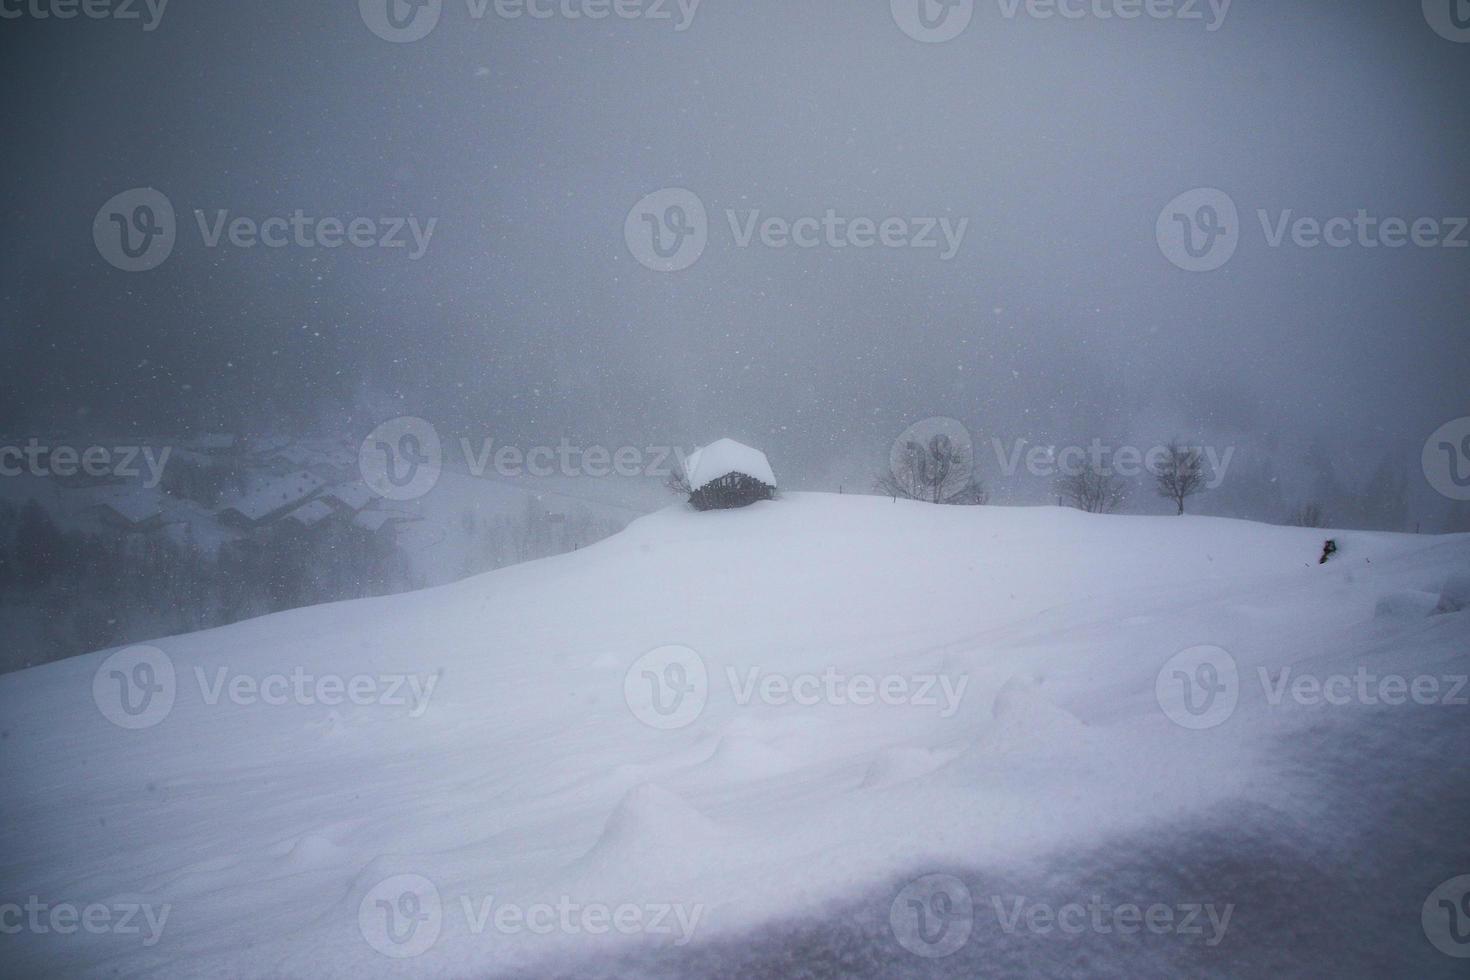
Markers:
{"x": 1038, "y": 753}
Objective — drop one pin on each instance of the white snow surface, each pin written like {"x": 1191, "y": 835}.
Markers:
{"x": 723, "y": 457}
{"x": 527, "y": 778}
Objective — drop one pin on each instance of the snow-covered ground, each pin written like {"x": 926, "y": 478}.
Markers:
{"x": 646, "y": 758}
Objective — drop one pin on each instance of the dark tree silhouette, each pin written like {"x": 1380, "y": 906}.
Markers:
{"x": 1181, "y": 474}
{"x": 1093, "y": 490}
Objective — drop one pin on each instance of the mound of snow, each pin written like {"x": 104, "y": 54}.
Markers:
{"x": 899, "y": 765}
{"x": 1407, "y": 604}
{"x": 651, "y": 831}
{"x": 1455, "y": 595}
{"x": 867, "y": 690}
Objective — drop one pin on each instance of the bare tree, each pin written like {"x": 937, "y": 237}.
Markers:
{"x": 935, "y": 471}
{"x": 678, "y": 481}
{"x": 1181, "y": 474}
{"x": 1092, "y": 489}
{"x": 1308, "y": 515}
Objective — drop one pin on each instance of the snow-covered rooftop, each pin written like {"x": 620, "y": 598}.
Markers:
{"x": 353, "y": 494}
{"x": 723, "y": 457}
{"x": 311, "y": 514}
{"x": 274, "y": 494}
{"x": 134, "y": 505}
{"x": 373, "y": 520}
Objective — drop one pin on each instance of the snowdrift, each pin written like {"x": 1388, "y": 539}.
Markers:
{"x": 732, "y": 735}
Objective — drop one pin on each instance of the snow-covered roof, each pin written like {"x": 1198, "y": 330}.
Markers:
{"x": 310, "y": 514}
{"x": 373, "y": 520}
{"x": 723, "y": 457}
{"x": 354, "y": 494}
{"x": 134, "y": 505}
{"x": 275, "y": 493}
{"x": 270, "y": 444}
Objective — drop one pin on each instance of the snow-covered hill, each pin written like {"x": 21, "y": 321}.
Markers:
{"x": 737, "y": 743}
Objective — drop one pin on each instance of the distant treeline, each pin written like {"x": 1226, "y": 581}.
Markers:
{"x": 64, "y": 593}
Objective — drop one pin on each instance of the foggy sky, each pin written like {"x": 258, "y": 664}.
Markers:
{"x": 529, "y": 140}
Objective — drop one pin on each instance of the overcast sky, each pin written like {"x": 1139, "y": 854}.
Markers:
{"x": 1058, "y": 142}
